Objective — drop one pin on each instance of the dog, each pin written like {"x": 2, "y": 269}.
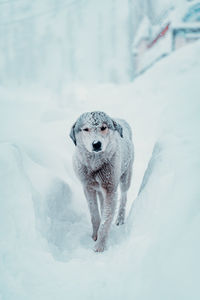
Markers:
{"x": 102, "y": 161}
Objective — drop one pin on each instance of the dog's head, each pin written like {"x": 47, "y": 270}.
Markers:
{"x": 94, "y": 131}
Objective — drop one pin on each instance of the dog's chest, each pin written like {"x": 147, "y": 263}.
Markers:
{"x": 101, "y": 177}
{"x": 94, "y": 163}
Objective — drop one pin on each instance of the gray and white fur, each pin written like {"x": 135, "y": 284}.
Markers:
{"x": 102, "y": 161}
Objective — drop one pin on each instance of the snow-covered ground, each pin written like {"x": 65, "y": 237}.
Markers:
{"x": 45, "y": 244}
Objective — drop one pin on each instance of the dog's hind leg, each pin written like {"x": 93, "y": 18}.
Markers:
{"x": 125, "y": 181}
{"x": 91, "y": 197}
{"x": 122, "y": 209}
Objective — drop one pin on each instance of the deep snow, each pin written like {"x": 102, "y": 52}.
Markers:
{"x": 45, "y": 244}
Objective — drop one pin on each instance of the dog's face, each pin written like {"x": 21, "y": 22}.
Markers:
{"x": 94, "y": 138}
{"x": 94, "y": 131}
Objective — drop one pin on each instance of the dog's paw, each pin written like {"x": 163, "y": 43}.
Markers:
{"x": 119, "y": 221}
{"x": 120, "y": 217}
{"x": 99, "y": 247}
{"x": 94, "y": 237}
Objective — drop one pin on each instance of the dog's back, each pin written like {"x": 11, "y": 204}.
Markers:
{"x": 126, "y": 145}
{"x": 127, "y": 132}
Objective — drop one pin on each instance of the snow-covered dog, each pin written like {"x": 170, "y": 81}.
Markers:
{"x": 103, "y": 159}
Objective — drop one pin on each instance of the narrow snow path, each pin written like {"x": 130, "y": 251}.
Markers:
{"x": 45, "y": 245}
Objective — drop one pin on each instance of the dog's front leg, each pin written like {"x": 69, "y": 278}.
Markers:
{"x": 91, "y": 197}
{"x": 106, "y": 220}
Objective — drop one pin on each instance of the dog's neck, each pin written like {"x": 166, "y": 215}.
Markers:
{"x": 94, "y": 161}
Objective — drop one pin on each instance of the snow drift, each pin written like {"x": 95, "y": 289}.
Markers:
{"x": 45, "y": 244}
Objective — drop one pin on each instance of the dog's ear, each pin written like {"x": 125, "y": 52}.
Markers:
{"x": 118, "y": 127}
{"x": 72, "y": 134}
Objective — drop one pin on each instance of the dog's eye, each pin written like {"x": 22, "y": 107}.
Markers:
{"x": 103, "y": 128}
{"x": 85, "y": 129}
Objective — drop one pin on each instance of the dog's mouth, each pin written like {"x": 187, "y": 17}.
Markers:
{"x": 97, "y": 151}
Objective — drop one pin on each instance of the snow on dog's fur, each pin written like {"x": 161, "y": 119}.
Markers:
{"x": 103, "y": 159}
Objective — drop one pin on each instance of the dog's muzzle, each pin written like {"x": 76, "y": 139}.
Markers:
{"x": 97, "y": 146}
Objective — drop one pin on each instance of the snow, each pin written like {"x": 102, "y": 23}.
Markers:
{"x": 183, "y": 25}
{"x": 142, "y": 33}
{"x": 45, "y": 243}
{"x": 58, "y": 41}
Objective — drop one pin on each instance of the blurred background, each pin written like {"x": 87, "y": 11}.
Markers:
{"x": 56, "y": 42}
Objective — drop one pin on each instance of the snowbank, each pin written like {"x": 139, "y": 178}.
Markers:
{"x": 45, "y": 244}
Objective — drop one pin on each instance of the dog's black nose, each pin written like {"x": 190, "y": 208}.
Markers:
{"x": 96, "y": 146}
